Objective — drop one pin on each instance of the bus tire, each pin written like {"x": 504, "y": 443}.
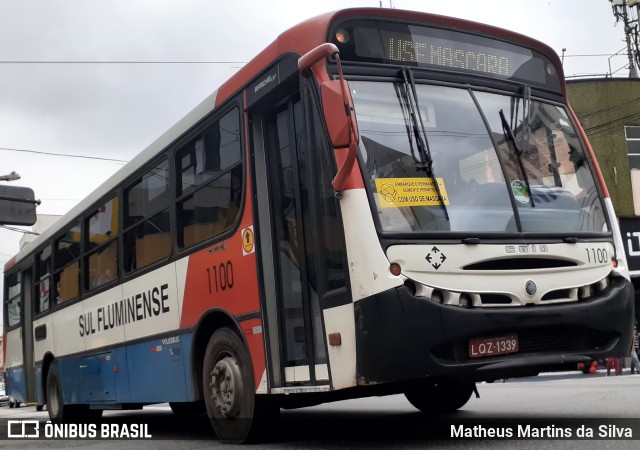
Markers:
{"x": 56, "y": 408}
{"x": 440, "y": 398}
{"x": 229, "y": 390}
{"x": 187, "y": 409}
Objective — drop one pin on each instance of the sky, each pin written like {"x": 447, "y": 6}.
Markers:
{"x": 101, "y": 80}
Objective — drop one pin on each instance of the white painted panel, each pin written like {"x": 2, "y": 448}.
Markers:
{"x": 295, "y": 374}
{"x": 13, "y": 357}
{"x": 263, "y": 387}
{"x": 68, "y": 335}
{"x": 342, "y": 357}
{"x": 151, "y": 303}
{"x": 322, "y": 372}
{"x": 368, "y": 265}
{"x": 40, "y": 348}
{"x": 181, "y": 282}
{"x": 107, "y": 316}
{"x": 442, "y": 266}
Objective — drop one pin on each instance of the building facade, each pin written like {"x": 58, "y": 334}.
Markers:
{"x": 609, "y": 110}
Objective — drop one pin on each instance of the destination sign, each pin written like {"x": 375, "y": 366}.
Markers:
{"x": 402, "y": 44}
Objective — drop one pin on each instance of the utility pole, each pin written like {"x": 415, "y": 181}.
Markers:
{"x": 621, "y": 13}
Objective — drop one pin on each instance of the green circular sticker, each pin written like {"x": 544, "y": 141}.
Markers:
{"x": 520, "y": 191}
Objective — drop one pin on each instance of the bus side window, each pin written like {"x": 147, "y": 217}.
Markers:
{"x": 147, "y": 234}
{"x": 102, "y": 227}
{"x": 66, "y": 260}
{"x": 43, "y": 280}
{"x": 13, "y": 309}
{"x": 209, "y": 181}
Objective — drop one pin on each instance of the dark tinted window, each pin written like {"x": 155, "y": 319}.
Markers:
{"x": 147, "y": 233}
{"x": 67, "y": 273}
{"x": 101, "y": 262}
{"x": 13, "y": 308}
{"x": 43, "y": 280}
{"x": 209, "y": 181}
{"x": 148, "y": 195}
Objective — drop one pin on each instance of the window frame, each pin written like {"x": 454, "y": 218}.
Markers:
{"x": 131, "y": 183}
{"x": 191, "y": 191}
{"x": 59, "y": 269}
{"x": 88, "y": 251}
{"x": 19, "y": 297}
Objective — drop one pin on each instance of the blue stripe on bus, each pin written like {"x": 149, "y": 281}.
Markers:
{"x": 157, "y": 370}
{"x": 154, "y": 371}
{"x": 15, "y": 385}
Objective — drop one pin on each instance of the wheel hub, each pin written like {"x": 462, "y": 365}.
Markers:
{"x": 226, "y": 387}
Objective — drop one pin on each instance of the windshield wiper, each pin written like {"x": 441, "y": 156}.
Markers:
{"x": 426, "y": 160}
{"x": 508, "y": 134}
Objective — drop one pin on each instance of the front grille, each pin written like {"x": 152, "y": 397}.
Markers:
{"x": 530, "y": 341}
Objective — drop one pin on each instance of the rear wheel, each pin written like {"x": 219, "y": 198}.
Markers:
{"x": 440, "y": 398}
{"x": 55, "y": 401}
{"x": 56, "y": 408}
{"x": 236, "y": 413}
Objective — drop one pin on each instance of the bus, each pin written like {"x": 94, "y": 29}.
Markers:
{"x": 380, "y": 202}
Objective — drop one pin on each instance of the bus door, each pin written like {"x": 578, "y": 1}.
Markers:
{"x": 297, "y": 270}
{"x": 302, "y": 344}
{"x": 27, "y": 335}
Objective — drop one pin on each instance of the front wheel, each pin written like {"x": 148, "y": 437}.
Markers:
{"x": 440, "y": 398}
{"x": 235, "y": 413}
{"x": 187, "y": 409}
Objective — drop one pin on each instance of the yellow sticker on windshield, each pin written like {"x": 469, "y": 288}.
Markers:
{"x": 400, "y": 192}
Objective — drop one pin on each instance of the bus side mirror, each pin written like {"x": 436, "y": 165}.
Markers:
{"x": 336, "y": 98}
{"x": 342, "y": 128}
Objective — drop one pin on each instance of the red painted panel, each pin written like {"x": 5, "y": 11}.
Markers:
{"x": 224, "y": 274}
{"x": 253, "y": 333}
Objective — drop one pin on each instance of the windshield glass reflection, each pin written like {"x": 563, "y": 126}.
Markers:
{"x": 479, "y": 169}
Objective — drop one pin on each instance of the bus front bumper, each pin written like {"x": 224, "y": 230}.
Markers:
{"x": 403, "y": 337}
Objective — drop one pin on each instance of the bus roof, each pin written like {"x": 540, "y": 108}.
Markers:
{"x": 298, "y": 40}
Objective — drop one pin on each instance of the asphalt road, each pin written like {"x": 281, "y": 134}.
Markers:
{"x": 538, "y": 411}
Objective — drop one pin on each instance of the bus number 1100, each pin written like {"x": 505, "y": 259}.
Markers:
{"x": 220, "y": 277}
{"x": 598, "y": 255}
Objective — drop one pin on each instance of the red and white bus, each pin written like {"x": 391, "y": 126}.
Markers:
{"x": 380, "y": 202}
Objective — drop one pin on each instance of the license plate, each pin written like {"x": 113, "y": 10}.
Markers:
{"x": 489, "y": 346}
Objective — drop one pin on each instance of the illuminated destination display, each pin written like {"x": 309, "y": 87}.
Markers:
{"x": 443, "y": 49}
{"x": 404, "y": 50}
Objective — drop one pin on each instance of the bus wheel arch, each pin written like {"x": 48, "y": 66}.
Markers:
{"x": 208, "y": 324}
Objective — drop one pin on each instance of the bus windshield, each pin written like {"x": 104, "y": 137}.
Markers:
{"x": 503, "y": 163}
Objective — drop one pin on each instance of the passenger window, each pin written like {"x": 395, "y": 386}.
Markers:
{"x": 43, "y": 281}
{"x": 148, "y": 230}
{"x": 67, "y": 266}
{"x": 13, "y": 309}
{"x": 101, "y": 260}
{"x": 209, "y": 181}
